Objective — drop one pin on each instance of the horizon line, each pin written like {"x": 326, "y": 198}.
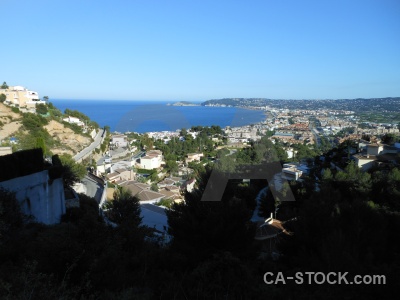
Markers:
{"x": 215, "y": 99}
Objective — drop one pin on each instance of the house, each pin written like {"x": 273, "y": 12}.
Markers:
{"x": 189, "y": 185}
{"x": 21, "y": 97}
{"x": 291, "y": 173}
{"x": 374, "y": 149}
{"x": 119, "y": 140}
{"x": 121, "y": 175}
{"x": 193, "y": 157}
{"x": 166, "y": 182}
{"x": 365, "y": 161}
{"x": 142, "y": 191}
{"x": 152, "y": 160}
{"x": 103, "y": 165}
{"x": 171, "y": 192}
{"x": 73, "y": 120}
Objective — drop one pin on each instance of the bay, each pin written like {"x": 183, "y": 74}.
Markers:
{"x": 150, "y": 116}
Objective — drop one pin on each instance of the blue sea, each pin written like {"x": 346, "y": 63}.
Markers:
{"x": 148, "y": 116}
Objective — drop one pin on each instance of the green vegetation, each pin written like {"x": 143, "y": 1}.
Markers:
{"x": 165, "y": 202}
{"x": 106, "y": 142}
{"x": 348, "y": 224}
{"x": 37, "y": 137}
{"x": 124, "y": 209}
{"x": 380, "y": 117}
{"x": 3, "y": 98}
{"x": 154, "y": 187}
{"x": 33, "y": 121}
{"x": 4, "y": 86}
{"x": 41, "y": 109}
{"x": 390, "y": 138}
{"x": 54, "y": 112}
{"x": 72, "y": 172}
{"x": 81, "y": 116}
{"x": 177, "y": 149}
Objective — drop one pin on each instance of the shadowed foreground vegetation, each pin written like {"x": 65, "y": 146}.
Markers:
{"x": 350, "y": 224}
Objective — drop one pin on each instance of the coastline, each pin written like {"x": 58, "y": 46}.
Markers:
{"x": 145, "y": 116}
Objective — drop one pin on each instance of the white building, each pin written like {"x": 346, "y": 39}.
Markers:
{"x": 152, "y": 160}
{"x": 291, "y": 173}
{"x": 374, "y": 149}
{"x": 119, "y": 140}
{"x": 73, "y": 120}
{"x": 365, "y": 162}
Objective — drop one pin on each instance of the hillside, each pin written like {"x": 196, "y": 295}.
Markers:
{"x": 67, "y": 138}
{"x": 9, "y": 122}
{"x": 33, "y": 130}
{"x": 389, "y": 104}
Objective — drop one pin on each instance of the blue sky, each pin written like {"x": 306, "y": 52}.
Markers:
{"x": 200, "y": 50}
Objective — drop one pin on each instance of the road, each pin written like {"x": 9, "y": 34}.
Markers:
{"x": 317, "y": 137}
{"x": 97, "y": 141}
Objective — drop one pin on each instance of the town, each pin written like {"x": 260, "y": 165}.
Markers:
{"x": 62, "y": 167}
{"x": 161, "y": 167}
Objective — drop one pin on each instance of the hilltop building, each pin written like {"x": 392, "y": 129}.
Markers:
{"x": 21, "y": 97}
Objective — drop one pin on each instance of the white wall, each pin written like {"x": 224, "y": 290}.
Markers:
{"x": 38, "y": 197}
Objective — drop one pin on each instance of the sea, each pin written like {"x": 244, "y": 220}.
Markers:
{"x": 152, "y": 116}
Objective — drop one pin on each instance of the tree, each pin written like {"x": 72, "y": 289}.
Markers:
{"x": 41, "y": 109}
{"x": 4, "y": 85}
{"x": 124, "y": 208}
{"x": 327, "y": 174}
{"x": 40, "y": 143}
{"x": 171, "y": 166}
{"x": 389, "y": 138}
{"x": 3, "y": 98}
{"x": 183, "y": 132}
{"x": 72, "y": 171}
{"x": 46, "y": 98}
{"x": 34, "y": 122}
{"x": 154, "y": 187}
{"x": 200, "y": 228}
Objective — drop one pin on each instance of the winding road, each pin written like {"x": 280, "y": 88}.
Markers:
{"x": 97, "y": 141}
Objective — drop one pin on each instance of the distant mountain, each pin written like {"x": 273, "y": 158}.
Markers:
{"x": 184, "y": 103}
{"x": 357, "y": 105}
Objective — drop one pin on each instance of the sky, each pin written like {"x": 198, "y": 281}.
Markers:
{"x": 200, "y": 49}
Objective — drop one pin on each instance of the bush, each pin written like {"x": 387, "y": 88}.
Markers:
{"x": 33, "y": 122}
{"x": 41, "y": 109}
{"x": 75, "y": 128}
